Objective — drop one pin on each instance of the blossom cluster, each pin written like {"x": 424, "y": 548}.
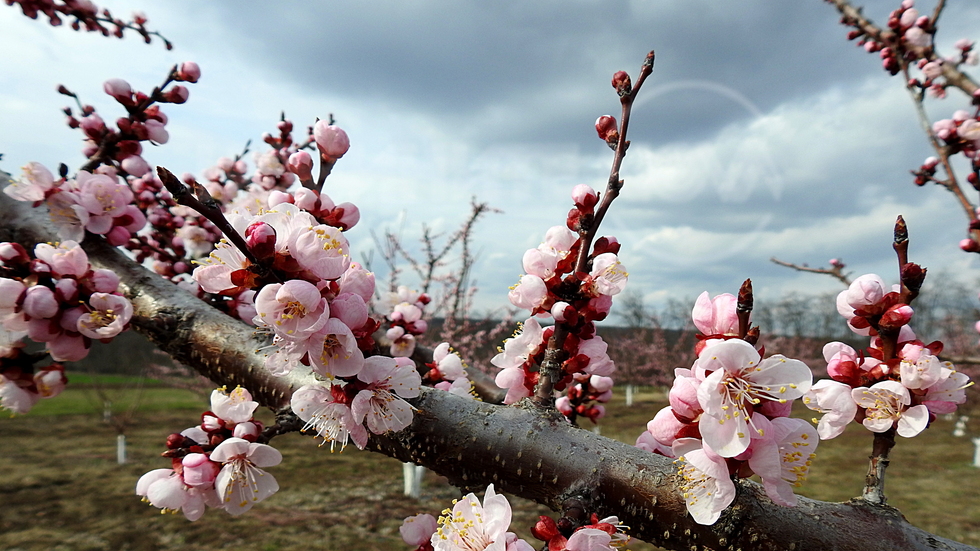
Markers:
{"x": 58, "y": 299}
{"x": 904, "y": 389}
{"x": 94, "y": 202}
{"x": 86, "y": 15}
{"x": 729, "y": 416}
{"x": 551, "y": 287}
{"x": 405, "y": 308}
{"x": 217, "y": 463}
{"x": 447, "y": 372}
{"x": 471, "y": 525}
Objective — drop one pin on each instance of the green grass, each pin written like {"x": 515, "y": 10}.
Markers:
{"x": 108, "y": 379}
{"x": 62, "y": 490}
{"x": 86, "y": 401}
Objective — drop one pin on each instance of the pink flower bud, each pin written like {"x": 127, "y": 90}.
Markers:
{"x": 199, "y": 470}
{"x": 93, "y": 126}
{"x": 301, "y": 164}
{"x": 350, "y": 309}
{"x": 563, "y": 405}
{"x": 930, "y": 163}
{"x": 969, "y": 245}
{"x": 118, "y": 236}
{"x": 226, "y": 163}
{"x": 261, "y": 240}
{"x": 40, "y": 302}
{"x": 13, "y": 253}
{"x": 561, "y": 311}
{"x": 584, "y": 196}
{"x": 189, "y": 72}
{"x": 66, "y": 290}
{"x": 247, "y": 431}
{"x": 909, "y": 17}
{"x": 135, "y": 165}
{"x": 177, "y": 94}
{"x": 331, "y": 140}
{"x": 347, "y": 215}
{"x": 104, "y": 281}
{"x": 156, "y": 132}
{"x": 119, "y": 89}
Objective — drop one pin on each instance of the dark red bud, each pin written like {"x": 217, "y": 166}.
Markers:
{"x": 621, "y": 82}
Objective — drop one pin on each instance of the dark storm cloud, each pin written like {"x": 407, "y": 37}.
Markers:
{"x": 536, "y": 71}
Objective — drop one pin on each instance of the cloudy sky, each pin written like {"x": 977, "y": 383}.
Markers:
{"x": 761, "y": 133}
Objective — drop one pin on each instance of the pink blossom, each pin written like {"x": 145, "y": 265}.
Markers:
{"x": 560, "y": 238}
{"x": 135, "y": 165}
{"x": 107, "y": 318}
{"x": 449, "y": 364}
{"x": 321, "y": 249}
{"x": 472, "y": 526}
{"x": 67, "y": 347}
{"x": 948, "y": 392}
{"x": 233, "y": 407}
{"x": 15, "y": 399}
{"x": 541, "y": 262}
{"x": 530, "y": 293}
{"x": 418, "y": 530}
{"x": 11, "y": 291}
{"x": 683, "y": 395}
{"x": 922, "y": 373}
{"x": 33, "y": 185}
{"x": 50, "y": 382}
{"x": 886, "y": 405}
{"x": 738, "y": 382}
{"x": 241, "y": 482}
{"x": 834, "y": 400}
{"x": 357, "y": 280}
{"x": 65, "y": 259}
{"x": 350, "y": 309}
{"x": 608, "y": 274}
{"x": 782, "y": 457}
{"x": 933, "y": 69}
{"x": 294, "y": 310}
{"x": 333, "y": 350}
{"x": 918, "y": 37}
{"x": 599, "y": 361}
{"x": 665, "y": 427}
{"x": 156, "y": 132}
{"x": 166, "y": 489}
{"x": 381, "y": 404}
{"x": 969, "y": 130}
{"x": 225, "y": 271}
{"x": 707, "y": 486}
{"x": 647, "y": 442}
{"x": 104, "y": 281}
{"x": 403, "y": 345}
{"x": 331, "y": 140}
{"x": 716, "y": 316}
{"x": 332, "y": 420}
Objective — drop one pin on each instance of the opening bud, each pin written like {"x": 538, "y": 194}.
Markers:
{"x": 331, "y": 140}
{"x": 188, "y": 72}
{"x": 301, "y": 164}
{"x": 584, "y": 196}
{"x": 261, "y": 240}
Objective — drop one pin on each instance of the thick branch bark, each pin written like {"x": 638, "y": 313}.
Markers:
{"x": 524, "y": 453}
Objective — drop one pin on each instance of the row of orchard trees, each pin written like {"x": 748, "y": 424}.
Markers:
{"x": 271, "y": 254}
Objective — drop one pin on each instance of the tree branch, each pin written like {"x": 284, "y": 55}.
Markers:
{"x": 538, "y": 457}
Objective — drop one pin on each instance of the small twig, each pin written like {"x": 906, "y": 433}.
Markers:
{"x": 550, "y": 372}
{"x": 837, "y": 272}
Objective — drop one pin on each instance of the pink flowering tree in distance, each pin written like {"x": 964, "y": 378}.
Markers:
{"x": 248, "y": 278}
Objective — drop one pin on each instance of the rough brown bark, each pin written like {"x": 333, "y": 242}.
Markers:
{"x": 473, "y": 444}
